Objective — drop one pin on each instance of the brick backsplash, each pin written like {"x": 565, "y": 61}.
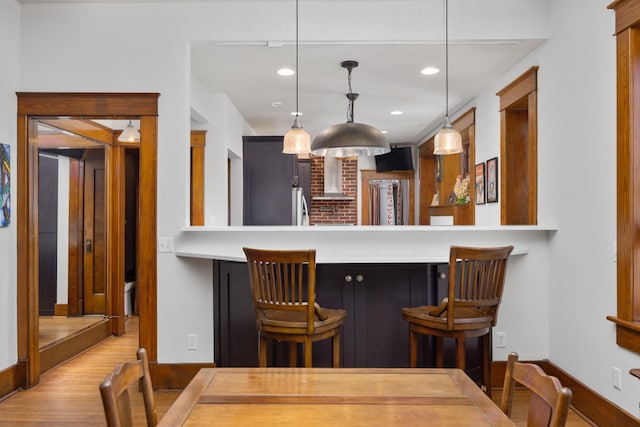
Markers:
{"x": 334, "y": 211}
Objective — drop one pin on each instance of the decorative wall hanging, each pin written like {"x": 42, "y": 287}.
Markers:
{"x": 5, "y": 185}
{"x": 480, "y": 187}
{"x": 492, "y": 180}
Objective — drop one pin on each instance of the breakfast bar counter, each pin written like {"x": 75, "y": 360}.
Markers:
{"x": 372, "y": 272}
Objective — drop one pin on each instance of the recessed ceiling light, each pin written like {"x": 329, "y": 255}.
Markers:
{"x": 396, "y": 113}
{"x": 428, "y": 71}
{"x": 285, "y": 72}
{"x": 384, "y": 131}
{"x": 276, "y": 104}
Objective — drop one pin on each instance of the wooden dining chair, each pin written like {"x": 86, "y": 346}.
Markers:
{"x": 549, "y": 401}
{"x": 115, "y": 393}
{"x": 283, "y": 290}
{"x": 470, "y": 309}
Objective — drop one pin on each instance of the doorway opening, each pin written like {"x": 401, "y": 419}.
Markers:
{"x": 97, "y": 242}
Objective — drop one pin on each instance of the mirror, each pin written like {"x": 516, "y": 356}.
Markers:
{"x": 71, "y": 227}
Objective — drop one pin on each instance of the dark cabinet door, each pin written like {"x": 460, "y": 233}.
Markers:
{"x": 380, "y": 293}
{"x": 373, "y": 334}
{"x": 235, "y": 333}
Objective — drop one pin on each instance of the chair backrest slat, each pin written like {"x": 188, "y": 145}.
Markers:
{"x": 282, "y": 280}
{"x": 476, "y": 279}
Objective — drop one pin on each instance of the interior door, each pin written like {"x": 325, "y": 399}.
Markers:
{"x": 94, "y": 276}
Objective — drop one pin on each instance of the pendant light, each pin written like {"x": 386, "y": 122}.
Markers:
{"x": 129, "y": 134}
{"x": 448, "y": 140}
{"x": 297, "y": 140}
{"x": 350, "y": 139}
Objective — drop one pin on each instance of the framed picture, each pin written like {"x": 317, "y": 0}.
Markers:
{"x": 480, "y": 187}
{"x": 492, "y": 180}
{"x": 5, "y": 185}
{"x": 438, "y": 168}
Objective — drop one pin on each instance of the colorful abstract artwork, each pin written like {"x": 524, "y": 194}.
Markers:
{"x": 5, "y": 185}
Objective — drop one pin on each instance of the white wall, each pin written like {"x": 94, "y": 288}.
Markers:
{"x": 576, "y": 191}
{"x": 9, "y": 34}
{"x": 225, "y": 128}
{"x": 576, "y": 145}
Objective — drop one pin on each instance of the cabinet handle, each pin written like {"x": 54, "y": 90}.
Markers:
{"x": 442, "y": 275}
{"x": 359, "y": 278}
{"x": 348, "y": 278}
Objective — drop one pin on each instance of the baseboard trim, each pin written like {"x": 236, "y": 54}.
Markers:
{"x": 174, "y": 376}
{"x": 12, "y": 378}
{"x": 56, "y": 353}
{"x": 60, "y": 309}
{"x": 591, "y": 405}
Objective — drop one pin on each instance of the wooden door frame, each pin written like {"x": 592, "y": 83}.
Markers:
{"x": 95, "y": 105}
{"x": 367, "y": 175}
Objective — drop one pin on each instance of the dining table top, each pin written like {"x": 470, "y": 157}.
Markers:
{"x": 325, "y": 396}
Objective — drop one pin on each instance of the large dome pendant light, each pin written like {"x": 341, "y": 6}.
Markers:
{"x": 350, "y": 139}
{"x": 297, "y": 140}
{"x": 448, "y": 140}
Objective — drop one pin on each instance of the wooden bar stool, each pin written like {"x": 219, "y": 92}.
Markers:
{"x": 283, "y": 290}
{"x": 476, "y": 279}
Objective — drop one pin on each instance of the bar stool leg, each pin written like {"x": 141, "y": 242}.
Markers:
{"x": 336, "y": 350}
{"x": 486, "y": 362}
{"x": 439, "y": 351}
{"x": 263, "y": 352}
{"x": 460, "y": 356}
{"x": 308, "y": 363}
{"x": 413, "y": 348}
{"x": 293, "y": 354}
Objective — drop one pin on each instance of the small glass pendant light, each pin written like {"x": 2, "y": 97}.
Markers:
{"x": 448, "y": 140}
{"x": 129, "y": 134}
{"x": 297, "y": 140}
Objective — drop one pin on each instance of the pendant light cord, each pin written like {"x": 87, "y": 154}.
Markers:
{"x": 350, "y": 105}
{"x": 446, "y": 54}
{"x": 297, "y": 108}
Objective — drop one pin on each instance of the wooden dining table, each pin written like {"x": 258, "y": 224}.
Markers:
{"x": 325, "y": 396}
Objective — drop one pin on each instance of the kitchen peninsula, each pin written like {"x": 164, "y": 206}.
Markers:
{"x": 372, "y": 272}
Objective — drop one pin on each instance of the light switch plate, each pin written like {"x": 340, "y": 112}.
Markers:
{"x": 165, "y": 244}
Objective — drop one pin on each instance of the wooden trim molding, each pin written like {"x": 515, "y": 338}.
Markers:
{"x": 368, "y": 175}
{"x": 589, "y": 404}
{"x": 171, "y": 376}
{"x": 94, "y": 105}
{"x": 627, "y": 318}
{"x": 12, "y": 378}
{"x": 198, "y": 142}
{"x": 522, "y": 86}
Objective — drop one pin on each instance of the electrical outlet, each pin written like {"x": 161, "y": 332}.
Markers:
{"x": 501, "y": 338}
{"x": 165, "y": 244}
{"x": 192, "y": 342}
{"x": 617, "y": 378}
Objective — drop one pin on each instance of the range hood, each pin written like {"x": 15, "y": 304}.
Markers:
{"x": 333, "y": 181}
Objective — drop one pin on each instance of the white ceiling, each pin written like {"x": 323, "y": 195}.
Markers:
{"x": 494, "y": 36}
{"x": 387, "y": 79}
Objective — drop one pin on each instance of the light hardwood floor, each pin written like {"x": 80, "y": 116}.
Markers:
{"x": 68, "y": 394}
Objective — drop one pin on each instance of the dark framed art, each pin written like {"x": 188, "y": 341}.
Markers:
{"x": 492, "y": 180}
{"x": 480, "y": 187}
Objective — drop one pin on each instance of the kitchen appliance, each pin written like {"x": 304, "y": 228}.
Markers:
{"x": 299, "y": 209}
